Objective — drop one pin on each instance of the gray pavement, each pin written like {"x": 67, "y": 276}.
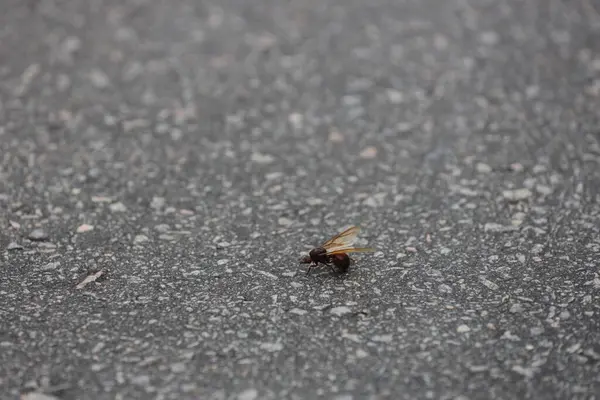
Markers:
{"x": 164, "y": 164}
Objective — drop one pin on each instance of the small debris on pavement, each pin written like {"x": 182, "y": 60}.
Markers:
{"x": 38, "y": 235}
{"x": 84, "y": 228}
{"x": 37, "y": 396}
{"x": 517, "y": 195}
{"x": 117, "y": 207}
{"x": 14, "y": 246}
{"x": 369, "y": 153}
{"x": 140, "y": 239}
{"x": 89, "y": 279}
{"x": 335, "y": 137}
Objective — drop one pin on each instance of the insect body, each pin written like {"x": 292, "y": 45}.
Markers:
{"x": 335, "y": 251}
{"x": 342, "y": 261}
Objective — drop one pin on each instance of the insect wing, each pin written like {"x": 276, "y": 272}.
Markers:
{"x": 343, "y": 239}
{"x": 350, "y": 249}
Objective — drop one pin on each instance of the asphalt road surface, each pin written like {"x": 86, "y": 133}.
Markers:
{"x": 164, "y": 164}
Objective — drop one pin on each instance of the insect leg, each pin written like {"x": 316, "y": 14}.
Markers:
{"x": 331, "y": 264}
{"x": 310, "y": 267}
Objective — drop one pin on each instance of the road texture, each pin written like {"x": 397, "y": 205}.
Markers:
{"x": 165, "y": 163}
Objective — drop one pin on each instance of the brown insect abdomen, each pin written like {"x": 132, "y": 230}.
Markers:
{"x": 341, "y": 261}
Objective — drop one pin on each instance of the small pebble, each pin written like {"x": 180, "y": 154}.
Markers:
{"x": 463, "y": 329}
{"x": 544, "y": 190}
{"x": 248, "y": 394}
{"x": 14, "y": 246}
{"x": 516, "y": 308}
{"x": 574, "y": 348}
{"x": 591, "y": 353}
{"x": 259, "y": 158}
{"x": 489, "y": 284}
{"x": 341, "y": 310}
{"x": 298, "y": 311}
{"x": 516, "y": 167}
{"x": 141, "y": 380}
{"x": 343, "y": 397}
{"x": 489, "y": 38}
{"x": 101, "y": 199}
{"x": 360, "y": 353}
{"x": 517, "y": 195}
{"x": 477, "y": 369}
{"x": 51, "y": 266}
{"x": 483, "y": 168}
{"x": 351, "y": 101}
{"x": 369, "y": 153}
{"x": 162, "y": 227}
{"x": 84, "y": 228}
{"x": 564, "y": 315}
{"x": 536, "y": 330}
{"x": 371, "y": 202}
{"x": 284, "y": 221}
{"x": 443, "y": 288}
{"x": 537, "y": 248}
{"x": 532, "y": 91}
{"x": 314, "y": 201}
{"x": 140, "y": 239}
{"x": 38, "y": 235}
{"x": 336, "y": 137}
{"x": 38, "y": 396}
{"x": 157, "y": 202}
{"x": 526, "y": 372}
{"x": 99, "y": 79}
{"x": 178, "y": 368}
{"x": 296, "y": 120}
{"x": 117, "y": 207}
{"x": 271, "y": 176}
{"x": 395, "y": 96}
{"x": 271, "y": 347}
{"x": 382, "y": 338}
